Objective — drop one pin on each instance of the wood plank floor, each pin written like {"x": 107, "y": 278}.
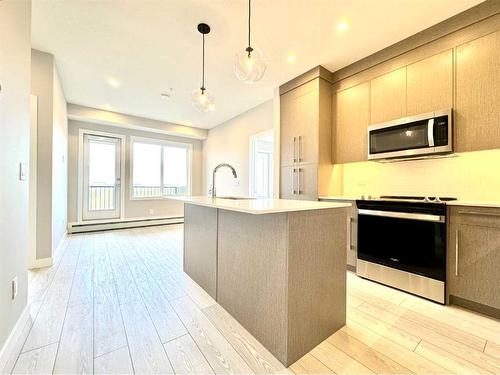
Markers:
{"x": 118, "y": 302}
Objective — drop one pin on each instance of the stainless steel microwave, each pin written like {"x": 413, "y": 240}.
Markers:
{"x": 409, "y": 137}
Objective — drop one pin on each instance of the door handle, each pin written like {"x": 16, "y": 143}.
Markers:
{"x": 351, "y": 221}
{"x": 299, "y": 191}
{"x": 294, "y": 149}
{"x": 457, "y": 237}
{"x": 294, "y": 191}
{"x": 299, "y": 159}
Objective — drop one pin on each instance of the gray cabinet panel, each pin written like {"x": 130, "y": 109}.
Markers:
{"x": 473, "y": 263}
{"x": 200, "y": 246}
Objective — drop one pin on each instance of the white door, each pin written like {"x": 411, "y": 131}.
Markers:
{"x": 101, "y": 177}
{"x": 261, "y": 181}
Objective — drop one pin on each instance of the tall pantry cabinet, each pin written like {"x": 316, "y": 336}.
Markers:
{"x": 305, "y": 135}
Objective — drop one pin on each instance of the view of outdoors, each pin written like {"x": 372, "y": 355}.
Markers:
{"x": 102, "y": 175}
{"x": 150, "y": 179}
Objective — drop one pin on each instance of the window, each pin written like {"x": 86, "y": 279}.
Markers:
{"x": 160, "y": 169}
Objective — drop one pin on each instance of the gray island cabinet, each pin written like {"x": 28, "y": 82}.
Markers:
{"x": 277, "y": 266}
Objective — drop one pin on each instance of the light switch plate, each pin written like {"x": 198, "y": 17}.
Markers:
{"x": 22, "y": 171}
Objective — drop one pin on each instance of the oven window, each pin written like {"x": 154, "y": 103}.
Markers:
{"x": 410, "y": 245}
{"x": 398, "y": 138}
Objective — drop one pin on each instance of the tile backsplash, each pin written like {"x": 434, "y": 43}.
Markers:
{"x": 468, "y": 176}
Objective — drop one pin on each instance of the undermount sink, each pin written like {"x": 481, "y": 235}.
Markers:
{"x": 236, "y": 198}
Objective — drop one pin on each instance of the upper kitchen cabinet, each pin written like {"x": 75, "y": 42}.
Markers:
{"x": 351, "y": 115}
{"x": 388, "y": 96}
{"x": 299, "y": 114}
{"x": 430, "y": 84}
{"x": 305, "y": 134}
{"x": 477, "y": 108}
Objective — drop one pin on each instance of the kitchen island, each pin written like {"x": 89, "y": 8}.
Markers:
{"x": 277, "y": 266}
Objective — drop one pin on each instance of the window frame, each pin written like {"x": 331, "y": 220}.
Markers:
{"x": 162, "y": 143}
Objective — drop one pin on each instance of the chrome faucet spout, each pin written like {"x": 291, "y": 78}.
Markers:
{"x": 214, "y": 192}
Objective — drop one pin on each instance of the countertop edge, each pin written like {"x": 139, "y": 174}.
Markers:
{"x": 263, "y": 206}
{"x": 268, "y": 211}
{"x": 474, "y": 204}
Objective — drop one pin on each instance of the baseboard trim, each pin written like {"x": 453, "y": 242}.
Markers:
{"x": 474, "y": 306}
{"x": 123, "y": 224}
{"x": 42, "y": 263}
{"x": 7, "y": 351}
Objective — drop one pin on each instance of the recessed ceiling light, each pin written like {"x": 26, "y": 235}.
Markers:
{"x": 291, "y": 59}
{"x": 113, "y": 82}
{"x": 342, "y": 26}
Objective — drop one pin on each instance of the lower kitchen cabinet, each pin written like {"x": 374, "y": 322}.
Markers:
{"x": 474, "y": 258}
{"x": 299, "y": 182}
{"x": 352, "y": 232}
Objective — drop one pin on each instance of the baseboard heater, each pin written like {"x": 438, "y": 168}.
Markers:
{"x": 122, "y": 224}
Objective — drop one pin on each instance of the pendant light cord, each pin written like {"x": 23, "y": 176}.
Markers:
{"x": 203, "y": 66}
{"x": 249, "y": 20}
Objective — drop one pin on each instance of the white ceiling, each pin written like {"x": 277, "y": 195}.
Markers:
{"x": 149, "y": 46}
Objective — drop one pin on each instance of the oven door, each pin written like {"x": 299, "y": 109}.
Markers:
{"x": 411, "y": 242}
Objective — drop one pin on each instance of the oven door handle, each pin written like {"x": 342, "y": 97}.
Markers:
{"x": 403, "y": 215}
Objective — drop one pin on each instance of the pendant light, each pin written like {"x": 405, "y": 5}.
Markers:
{"x": 250, "y": 64}
{"x": 202, "y": 99}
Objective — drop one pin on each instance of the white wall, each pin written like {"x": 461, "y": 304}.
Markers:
{"x": 59, "y": 163}
{"x": 133, "y": 208}
{"x": 230, "y": 143}
{"x": 42, "y": 86}
{"x": 468, "y": 176}
{"x": 51, "y": 160}
{"x": 15, "y": 44}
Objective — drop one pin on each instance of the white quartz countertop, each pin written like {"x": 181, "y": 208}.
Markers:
{"x": 259, "y": 206}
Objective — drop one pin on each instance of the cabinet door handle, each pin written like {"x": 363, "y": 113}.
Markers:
{"x": 294, "y": 191}
{"x": 299, "y": 191}
{"x": 351, "y": 221}
{"x": 457, "y": 237}
{"x": 299, "y": 159}
{"x": 294, "y": 148}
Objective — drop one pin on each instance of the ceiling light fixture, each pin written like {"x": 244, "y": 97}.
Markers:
{"x": 342, "y": 26}
{"x": 202, "y": 99}
{"x": 250, "y": 64}
{"x": 291, "y": 59}
{"x": 113, "y": 82}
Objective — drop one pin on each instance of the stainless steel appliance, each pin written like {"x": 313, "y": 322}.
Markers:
{"x": 410, "y": 137}
{"x": 402, "y": 243}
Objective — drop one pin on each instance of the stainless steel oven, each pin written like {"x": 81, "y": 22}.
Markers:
{"x": 415, "y": 136}
{"x": 402, "y": 243}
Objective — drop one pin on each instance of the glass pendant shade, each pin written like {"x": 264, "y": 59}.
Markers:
{"x": 250, "y": 67}
{"x": 202, "y": 100}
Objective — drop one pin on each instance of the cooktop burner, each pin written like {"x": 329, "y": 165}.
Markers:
{"x": 413, "y": 198}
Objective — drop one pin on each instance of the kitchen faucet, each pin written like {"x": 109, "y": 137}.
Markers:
{"x": 213, "y": 192}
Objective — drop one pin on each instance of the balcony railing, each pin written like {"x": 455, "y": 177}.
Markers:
{"x": 102, "y": 197}
{"x": 140, "y": 191}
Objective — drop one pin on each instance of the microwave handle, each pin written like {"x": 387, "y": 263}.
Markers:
{"x": 430, "y": 132}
